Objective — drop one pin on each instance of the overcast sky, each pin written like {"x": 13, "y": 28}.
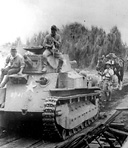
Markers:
{"x": 25, "y": 17}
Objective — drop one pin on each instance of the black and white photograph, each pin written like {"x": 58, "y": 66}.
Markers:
{"x": 63, "y": 74}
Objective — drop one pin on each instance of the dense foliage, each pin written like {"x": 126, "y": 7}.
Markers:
{"x": 86, "y": 45}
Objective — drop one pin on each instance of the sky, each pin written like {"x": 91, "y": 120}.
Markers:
{"x": 23, "y": 18}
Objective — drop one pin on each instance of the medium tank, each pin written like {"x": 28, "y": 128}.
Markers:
{"x": 64, "y": 102}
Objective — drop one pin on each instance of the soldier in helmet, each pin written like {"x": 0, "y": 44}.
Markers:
{"x": 14, "y": 64}
{"x": 52, "y": 43}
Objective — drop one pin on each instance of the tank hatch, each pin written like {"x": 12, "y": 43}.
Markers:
{"x": 35, "y": 49}
{"x": 18, "y": 79}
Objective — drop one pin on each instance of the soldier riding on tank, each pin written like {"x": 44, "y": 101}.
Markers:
{"x": 52, "y": 43}
{"x": 14, "y": 65}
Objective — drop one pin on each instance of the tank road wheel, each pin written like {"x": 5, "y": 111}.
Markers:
{"x": 71, "y": 132}
{"x": 92, "y": 119}
{"x": 89, "y": 122}
{"x": 96, "y": 116}
{"x": 64, "y": 134}
{"x": 80, "y": 127}
{"x": 85, "y": 124}
{"x": 74, "y": 131}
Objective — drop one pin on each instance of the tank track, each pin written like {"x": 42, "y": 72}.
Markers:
{"x": 51, "y": 129}
{"x": 48, "y": 117}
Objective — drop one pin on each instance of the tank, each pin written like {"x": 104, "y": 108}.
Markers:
{"x": 63, "y": 102}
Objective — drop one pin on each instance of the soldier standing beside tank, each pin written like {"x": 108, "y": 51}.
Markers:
{"x": 108, "y": 72}
{"x": 14, "y": 64}
{"x": 108, "y": 75}
{"x": 52, "y": 43}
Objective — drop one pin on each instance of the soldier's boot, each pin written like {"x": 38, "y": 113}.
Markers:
{"x": 60, "y": 64}
{"x": 4, "y": 81}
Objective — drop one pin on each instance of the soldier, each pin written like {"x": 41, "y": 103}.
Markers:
{"x": 14, "y": 65}
{"x": 52, "y": 43}
{"x": 108, "y": 78}
{"x": 108, "y": 72}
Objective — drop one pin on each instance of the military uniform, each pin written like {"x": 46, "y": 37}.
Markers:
{"x": 108, "y": 78}
{"x": 52, "y": 44}
{"x": 108, "y": 73}
{"x": 55, "y": 49}
{"x": 12, "y": 65}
